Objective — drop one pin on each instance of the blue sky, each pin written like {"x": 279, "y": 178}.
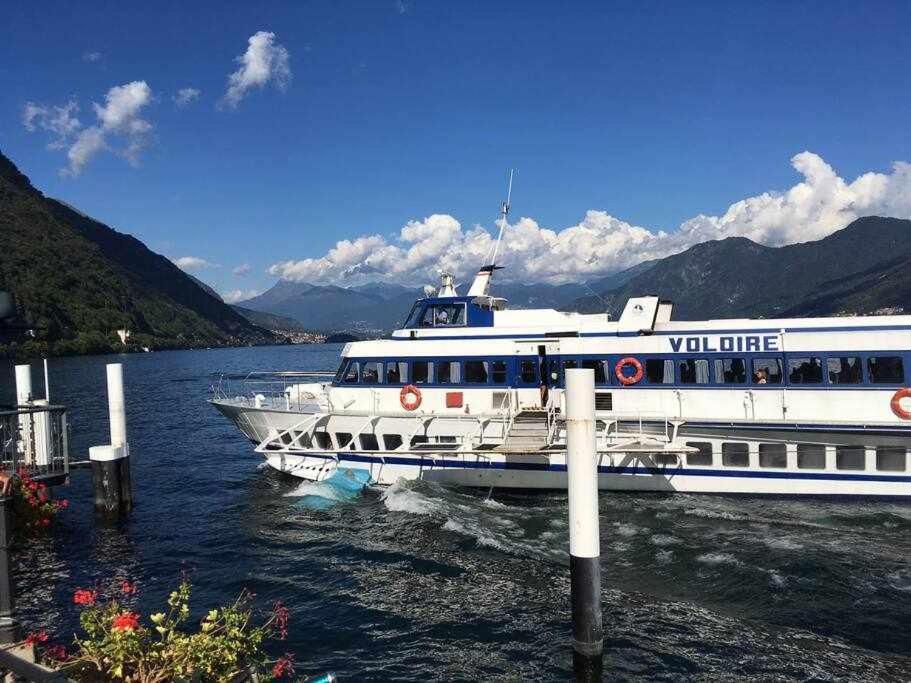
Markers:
{"x": 652, "y": 113}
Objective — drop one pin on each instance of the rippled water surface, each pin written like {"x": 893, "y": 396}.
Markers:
{"x": 417, "y": 582}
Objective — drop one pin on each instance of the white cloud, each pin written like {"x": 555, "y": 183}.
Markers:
{"x": 185, "y": 96}
{"x": 600, "y": 243}
{"x": 264, "y": 61}
{"x": 235, "y": 295}
{"x": 119, "y": 117}
{"x": 92, "y": 56}
{"x": 61, "y": 122}
{"x": 192, "y": 263}
{"x": 242, "y": 270}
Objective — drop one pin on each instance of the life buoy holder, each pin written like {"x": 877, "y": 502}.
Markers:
{"x": 410, "y": 397}
{"x": 897, "y": 403}
{"x": 625, "y": 379}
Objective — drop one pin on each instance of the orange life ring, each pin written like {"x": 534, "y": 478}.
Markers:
{"x": 897, "y": 403}
{"x": 410, "y": 397}
{"x": 635, "y": 378}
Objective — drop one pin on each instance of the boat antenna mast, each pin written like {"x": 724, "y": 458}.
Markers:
{"x": 481, "y": 283}
{"x": 504, "y": 213}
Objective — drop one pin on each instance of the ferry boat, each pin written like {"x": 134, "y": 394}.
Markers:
{"x": 470, "y": 393}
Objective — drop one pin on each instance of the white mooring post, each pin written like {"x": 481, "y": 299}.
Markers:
{"x": 584, "y": 537}
{"x": 24, "y": 397}
{"x": 111, "y": 463}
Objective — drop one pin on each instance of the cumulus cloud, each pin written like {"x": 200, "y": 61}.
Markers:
{"x": 185, "y": 96}
{"x": 92, "y": 56}
{"x": 192, "y": 263}
{"x": 235, "y": 295}
{"x": 265, "y": 61}
{"x": 821, "y": 203}
{"x": 61, "y": 122}
{"x": 119, "y": 117}
{"x": 242, "y": 270}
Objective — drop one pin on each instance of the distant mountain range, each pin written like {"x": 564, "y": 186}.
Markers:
{"x": 75, "y": 281}
{"x": 863, "y": 269}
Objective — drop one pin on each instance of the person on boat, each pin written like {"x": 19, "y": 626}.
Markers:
{"x": 760, "y": 377}
{"x": 442, "y": 317}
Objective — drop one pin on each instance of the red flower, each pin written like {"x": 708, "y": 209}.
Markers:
{"x": 57, "y": 653}
{"x": 85, "y": 597}
{"x": 32, "y": 486}
{"x": 46, "y": 521}
{"x": 126, "y": 588}
{"x": 280, "y": 614}
{"x": 36, "y": 637}
{"x": 126, "y": 621}
{"x": 61, "y": 504}
{"x": 284, "y": 666}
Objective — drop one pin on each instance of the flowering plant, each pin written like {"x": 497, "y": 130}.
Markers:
{"x": 118, "y": 644}
{"x": 33, "y": 509}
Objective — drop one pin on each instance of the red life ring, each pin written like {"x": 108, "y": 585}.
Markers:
{"x": 636, "y": 377}
{"x": 897, "y": 403}
{"x": 410, "y": 397}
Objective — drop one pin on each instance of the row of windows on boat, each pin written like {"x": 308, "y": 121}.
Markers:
{"x": 732, "y": 453}
{"x": 772, "y": 370}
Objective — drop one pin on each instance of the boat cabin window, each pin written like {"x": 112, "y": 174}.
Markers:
{"x": 499, "y": 372}
{"x": 397, "y": 372}
{"x": 735, "y": 454}
{"x": 449, "y": 372}
{"x": 598, "y": 366}
{"x": 528, "y": 372}
{"x": 351, "y": 374}
{"x": 849, "y": 457}
{"x": 767, "y": 371}
{"x": 422, "y": 372}
{"x": 701, "y": 459}
{"x": 476, "y": 372}
{"x": 805, "y": 370}
{"x": 730, "y": 371}
{"x": 694, "y": 371}
{"x": 444, "y": 315}
{"x": 844, "y": 370}
{"x": 890, "y": 458}
{"x": 414, "y": 316}
{"x": 372, "y": 372}
{"x": 811, "y": 456}
{"x": 773, "y": 455}
{"x": 886, "y": 369}
{"x": 658, "y": 371}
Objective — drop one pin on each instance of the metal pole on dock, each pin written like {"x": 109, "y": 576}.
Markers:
{"x": 584, "y": 537}
{"x": 111, "y": 463}
{"x": 9, "y": 627}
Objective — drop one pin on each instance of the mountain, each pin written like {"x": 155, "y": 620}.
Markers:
{"x": 861, "y": 269}
{"x": 76, "y": 281}
{"x": 269, "y": 321}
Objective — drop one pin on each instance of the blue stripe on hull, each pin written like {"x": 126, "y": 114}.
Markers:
{"x": 682, "y": 471}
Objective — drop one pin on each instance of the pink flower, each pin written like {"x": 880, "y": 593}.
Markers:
{"x": 36, "y": 637}
{"x": 85, "y": 597}
{"x": 57, "y": 653}
{"x": 126, "y": 621}
{"x": 284, "y": 666}
{"x": 280, "y": 614}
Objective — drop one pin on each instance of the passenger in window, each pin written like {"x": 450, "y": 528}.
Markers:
{"x": 759, "y": 377}
{"x": 442, "y": 317}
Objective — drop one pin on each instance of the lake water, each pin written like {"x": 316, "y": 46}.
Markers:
{"x": 416, "y": 582}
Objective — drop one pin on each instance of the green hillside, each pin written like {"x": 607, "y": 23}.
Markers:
{"x": 76, "y": 281}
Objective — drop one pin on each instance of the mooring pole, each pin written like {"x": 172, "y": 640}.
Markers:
{"x": 9, "y": 627}
{"x": 111, "y": 463}
{"x": 584, "y": 538}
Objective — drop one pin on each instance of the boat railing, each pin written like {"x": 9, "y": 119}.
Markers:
{"x": 35, "y": 438}
{"x": 268, "y": 388}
